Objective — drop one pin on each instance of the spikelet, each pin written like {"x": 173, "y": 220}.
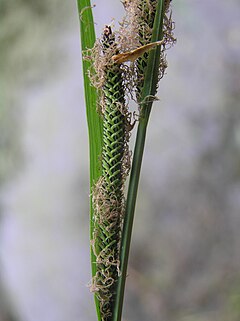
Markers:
{"x": 138, "y": 25}
{"x": 108, "y": 198}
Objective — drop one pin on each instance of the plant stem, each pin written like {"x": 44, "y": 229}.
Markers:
{"x": 149, "y": 89}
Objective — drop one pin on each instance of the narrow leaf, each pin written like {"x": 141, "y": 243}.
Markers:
{"x": 87, "y": 32}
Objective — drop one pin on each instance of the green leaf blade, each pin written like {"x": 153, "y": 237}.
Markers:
{"x": 87, "y": 34}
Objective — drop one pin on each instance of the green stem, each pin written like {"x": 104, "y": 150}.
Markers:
{"x": 130, "y": 208}
{"x": 149, "y": 89}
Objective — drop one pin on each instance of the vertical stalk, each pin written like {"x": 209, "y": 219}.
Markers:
{"x": 149, "y": 88}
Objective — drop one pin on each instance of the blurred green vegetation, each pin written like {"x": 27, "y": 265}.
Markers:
{"x": 27, "y": 32}
{"x": 10, "y": 155}
{"x": 27, "y": 54}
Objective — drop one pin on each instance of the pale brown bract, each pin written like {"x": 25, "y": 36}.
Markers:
{"x": 136, "y": 53}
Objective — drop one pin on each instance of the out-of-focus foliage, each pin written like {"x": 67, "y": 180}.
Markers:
{"x": 26, "y": 30}
{"x": 9, "y": 141}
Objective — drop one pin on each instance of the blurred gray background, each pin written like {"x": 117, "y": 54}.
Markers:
{"x": 185, "y": 254}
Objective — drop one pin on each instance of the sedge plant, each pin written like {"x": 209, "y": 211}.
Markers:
{"x": 122, "y": 65}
